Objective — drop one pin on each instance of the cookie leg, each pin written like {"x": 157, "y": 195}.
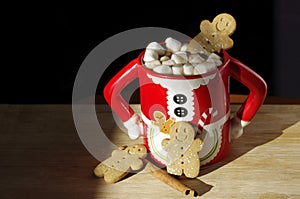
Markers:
{"x": 191, "y": 172}
{"x": 175, "y": 169}
{"x": 112, "y": 175}
{"x": 100, "y": 170}
{"x": 192, "y": 169}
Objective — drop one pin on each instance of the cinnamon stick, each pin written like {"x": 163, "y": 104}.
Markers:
{"x": 163, "y": 176}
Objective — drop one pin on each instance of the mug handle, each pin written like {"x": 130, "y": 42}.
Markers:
{"x": 112, "y": 94}
{"x": 256, "y": 97}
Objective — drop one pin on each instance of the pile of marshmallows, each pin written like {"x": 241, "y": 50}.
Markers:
{"x": 173, "y": 58}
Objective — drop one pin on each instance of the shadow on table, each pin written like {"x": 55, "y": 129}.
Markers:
{"x": 247, "y": 142}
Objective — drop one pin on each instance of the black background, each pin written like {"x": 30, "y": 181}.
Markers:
{"x": 45, "y": 45}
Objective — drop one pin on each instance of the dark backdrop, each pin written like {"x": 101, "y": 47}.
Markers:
{"x": 47, "y": 44}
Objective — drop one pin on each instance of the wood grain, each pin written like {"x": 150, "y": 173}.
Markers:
{"x": 42, "y": 156}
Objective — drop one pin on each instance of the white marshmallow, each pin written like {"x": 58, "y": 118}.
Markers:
{"x": 152, "y": 64}
{"x": 215, "y": 59}
{"x": 180, "y": 57}
{"x": 218, "y": 62}
{"x": 196, "y": 58}
{"x": 164, "y": 58}
{"x": 177, "y": 69}
{"x": 188, "y": 69}
{"x": 203, "y": 68}
{"x": 156, "y": 47}
{"x": 150, "y": 55}
{"x": 214, "y": 56}
{"x": 169, "y": 62}
{"x": 173, "y": 44}
{"x": 163, "y": 69}
{"x": 184, "y": 47}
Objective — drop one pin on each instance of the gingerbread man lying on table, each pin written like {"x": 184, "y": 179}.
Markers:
{"x": 122, "y": 161}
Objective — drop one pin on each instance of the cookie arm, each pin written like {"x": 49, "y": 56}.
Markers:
{"x": 197, "y": 144}
{"x": 136, "y": 164}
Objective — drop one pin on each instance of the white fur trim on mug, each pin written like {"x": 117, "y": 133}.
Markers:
{"x": 237, "y": 127}
{"x": 133, "y": 125}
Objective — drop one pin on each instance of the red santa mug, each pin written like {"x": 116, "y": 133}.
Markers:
{"x": 202, "y": 100}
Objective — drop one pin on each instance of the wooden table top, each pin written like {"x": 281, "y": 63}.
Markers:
{"x": 42, "y": 156}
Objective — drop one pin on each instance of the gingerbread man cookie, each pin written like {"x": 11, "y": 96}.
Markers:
{"x": 163, "y": 124}
{"x": 121, "y": 162}
{"x": 183, "y": 150}
{"x": 215, "y": 36}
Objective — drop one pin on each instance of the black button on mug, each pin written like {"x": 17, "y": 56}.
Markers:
{"x": 180, "y": 112}
{"x": 179, "y": 99}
